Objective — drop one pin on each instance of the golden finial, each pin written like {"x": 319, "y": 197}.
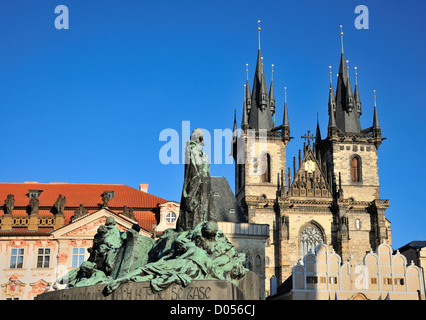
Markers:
{"x": 247, "y": 70}
{"x": 272, "y": 72}
{"x": 331, "y": 81}
{"x": 285, "y": 94}
{"x": 341, "y": 36}
{"x": 374, "y": 97}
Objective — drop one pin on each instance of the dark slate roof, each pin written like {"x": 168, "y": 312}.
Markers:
{"x": 258, "y": 118}
{"x": 410, "y": 250}
{"x": 227, "y": 208}
{"x": 346, "y": 120}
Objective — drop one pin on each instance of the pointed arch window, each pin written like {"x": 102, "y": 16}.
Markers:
{"x": 310, "y": 237}
{"x": 356, "y": 169}
{"x": 266, "y": 167}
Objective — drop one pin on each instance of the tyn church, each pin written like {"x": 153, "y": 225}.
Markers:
{"x": 329, "y": 194}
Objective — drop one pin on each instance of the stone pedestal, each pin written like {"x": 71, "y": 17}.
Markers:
{"x": 196, "y": 290}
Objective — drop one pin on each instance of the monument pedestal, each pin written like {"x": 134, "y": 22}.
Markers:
{"x": 196, "y": 290}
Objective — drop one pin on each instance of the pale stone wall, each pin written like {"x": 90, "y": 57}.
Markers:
{"x": 366, "y": 190}
{"x": 251, "y": 240}
{"x": 253, "y": 168}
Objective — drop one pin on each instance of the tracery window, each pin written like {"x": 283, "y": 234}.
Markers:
{"x": 310, "y": 237}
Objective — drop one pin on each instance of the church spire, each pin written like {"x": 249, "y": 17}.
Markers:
{"x": 377, "y": 132}
{"x": 376, "y": 125}
{"x": 248, "y": 94}
{"x": 331, "y": 108}
{"x": 234, "y": 137}
{"x": 271, "y": 92}
{"x": 318, "y": 132}
{"x": 286, "y": 124}
{"x": 244, "y": 123}
{"x": 347, "y": 118}
{"x": 260, "y": 115}
{"x": 356, "y": 94}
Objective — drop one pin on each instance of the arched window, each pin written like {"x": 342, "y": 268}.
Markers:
{"x": 248, "y": 263}
{"x": 310, "y": 237}
{"x": 266, "y": 167}
{"x": 257, "y": 264}
{"x": 356, "y": 169}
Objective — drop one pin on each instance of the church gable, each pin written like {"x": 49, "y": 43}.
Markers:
{"x": 309, "y": 181}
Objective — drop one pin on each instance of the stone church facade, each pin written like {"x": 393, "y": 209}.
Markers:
{"x": 329, "y": 194}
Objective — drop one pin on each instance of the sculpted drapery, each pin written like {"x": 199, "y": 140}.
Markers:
{"x": 197, "y": 201}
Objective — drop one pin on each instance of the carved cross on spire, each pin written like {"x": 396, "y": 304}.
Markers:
{"x": 308, "y": 137}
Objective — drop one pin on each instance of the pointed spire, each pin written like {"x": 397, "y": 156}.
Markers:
{"x": 244, "y": 122}
{"x": 347, "y": 120}
{"x": 341, "y": 36}
{"x": 318, "y": 132}
{"x": 271, "y": 92}
{"x": 331, "y": 108}
{"x": 377, "y": 132}
{"x": 234, "y": 137}
{"x": 286, "y": 124}
{"x": 350, "y": 103}
{"x": 260, "y": 114}
{"x": 356, "y": 94}
{"x": 285, "y": 117}
{"x": 248, "y": 94}
{"x": 375, "y": 117}
{"x": 263, "y": 94}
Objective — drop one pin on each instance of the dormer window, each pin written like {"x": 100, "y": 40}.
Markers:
{"x": 34, "y": 194}
{"x": 171, "y": 217}
{"x": 111, "y": 194}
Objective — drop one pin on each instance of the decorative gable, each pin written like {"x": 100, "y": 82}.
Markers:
{"x": 310, "y": 181}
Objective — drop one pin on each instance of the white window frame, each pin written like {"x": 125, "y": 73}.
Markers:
{"x": 78, "y": 257}
{"x": 45, "y": 258}
{"x": 17, "y": 253}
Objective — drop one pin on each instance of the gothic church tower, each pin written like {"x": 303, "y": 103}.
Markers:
{"x": 330, "y": 195}
{"x": 260, "y": 157}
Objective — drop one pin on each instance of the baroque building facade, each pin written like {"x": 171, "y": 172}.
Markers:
{"x": 46, "y": 229}
{"x": 331, "y": 192}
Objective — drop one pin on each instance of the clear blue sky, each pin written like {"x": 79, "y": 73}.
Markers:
{"x": 87, "y": 104}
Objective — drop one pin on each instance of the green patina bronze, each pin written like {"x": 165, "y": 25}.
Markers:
{"x": 196, "y": 250}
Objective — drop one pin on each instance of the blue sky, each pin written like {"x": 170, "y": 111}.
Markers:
{"x": 87, "y": 104}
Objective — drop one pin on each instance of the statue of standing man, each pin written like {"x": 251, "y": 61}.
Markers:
{"x": 197, "y": 200}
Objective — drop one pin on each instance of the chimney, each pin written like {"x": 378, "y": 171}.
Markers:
{"x": 143, "y": 187}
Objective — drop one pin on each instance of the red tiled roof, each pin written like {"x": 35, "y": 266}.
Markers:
{"x": 25, "y": 231}
{"x": 90, "y": 195}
